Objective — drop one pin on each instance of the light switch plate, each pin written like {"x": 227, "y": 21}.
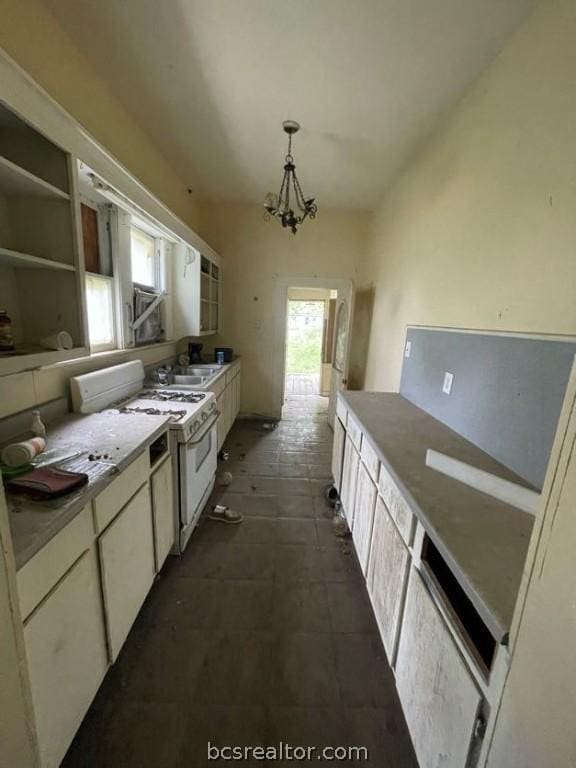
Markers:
{"x": 407, "y": 349}
{"x": 447, "y": 385}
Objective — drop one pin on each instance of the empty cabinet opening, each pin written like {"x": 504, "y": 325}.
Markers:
{"x": 474, "y": 631}
{"x": 158, "y": 449}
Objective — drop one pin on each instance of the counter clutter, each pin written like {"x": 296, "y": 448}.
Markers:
{"x": 442, "y": 561}
{"x": 123, "y": 437}
{"x": 87, "y": 559}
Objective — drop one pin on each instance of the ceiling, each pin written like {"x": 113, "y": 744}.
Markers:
{"x": 210, "y": 81}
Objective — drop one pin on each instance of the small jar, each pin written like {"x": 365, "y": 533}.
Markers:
{"x": 6, "y": 337}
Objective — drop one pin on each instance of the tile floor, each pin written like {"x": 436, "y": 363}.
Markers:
{"x": 259, "y": 633}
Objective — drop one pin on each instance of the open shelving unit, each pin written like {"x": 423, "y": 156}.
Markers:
{"x": 18, "y": 182}
{"x": 39, "y": 285}
{"x": 10, "y": 258}
{"x": 209, "y": 296}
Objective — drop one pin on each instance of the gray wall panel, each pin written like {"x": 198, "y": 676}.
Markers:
{"x": 506, "y": 396}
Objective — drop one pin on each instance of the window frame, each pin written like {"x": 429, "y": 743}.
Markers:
{"x": 113, "y": 344}
{"x": 113, "y": 278}
{"x": 159, "y": 279}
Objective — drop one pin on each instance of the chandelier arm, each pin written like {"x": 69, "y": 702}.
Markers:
{"x": 281, "y": 193}
{"x": 299, "y": 194}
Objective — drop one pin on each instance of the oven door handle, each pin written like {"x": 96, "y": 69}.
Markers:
{"x": 208, "y": 426}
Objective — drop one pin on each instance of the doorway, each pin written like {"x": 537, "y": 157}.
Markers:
{"x": 309, "y": 336}
{"x": 332, "y": 292}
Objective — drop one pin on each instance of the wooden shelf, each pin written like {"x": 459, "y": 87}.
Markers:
{"x": 16, "y": 182}
{"x": 30, "y": 357}
{"x": 19, "y": 260}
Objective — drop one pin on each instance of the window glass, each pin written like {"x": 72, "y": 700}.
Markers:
{"x": 100, "y": 310}
{"x": 142, "y": 255}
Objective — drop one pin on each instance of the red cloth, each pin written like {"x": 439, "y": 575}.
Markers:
{"x": 47, "y": 483}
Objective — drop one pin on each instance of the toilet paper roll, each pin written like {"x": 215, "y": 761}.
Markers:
{"x": 61, "y": 340}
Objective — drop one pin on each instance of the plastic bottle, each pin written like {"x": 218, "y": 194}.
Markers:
{"x": 37, "y": 427}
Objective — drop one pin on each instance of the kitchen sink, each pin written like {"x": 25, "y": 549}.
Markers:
{"x": 190, "y": 380}
{"x": 198, "y": 370}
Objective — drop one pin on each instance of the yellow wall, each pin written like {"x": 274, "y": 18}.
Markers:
{"x": 480, "y": 230}
{"x": 257, "y": 253}
{"x": 30, "y": 34}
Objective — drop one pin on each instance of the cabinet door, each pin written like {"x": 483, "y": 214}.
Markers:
{"x": 438, "y": 694}
{"x": 67, "y": 657}
{"x": 127, "y": 563}
{"x": 338, "y": 453}
{"x": 163, "y": 509}
{"x": 363, "y": 515}
{"x": 349, "y": 476}
{"x": 221, "y": 405}
{"x": 228, "y": 406}
{"x": 387, "y": 577}
{"x": 237, "y": 395}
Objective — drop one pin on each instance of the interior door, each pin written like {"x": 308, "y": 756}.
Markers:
{"x": 340, "y": 356}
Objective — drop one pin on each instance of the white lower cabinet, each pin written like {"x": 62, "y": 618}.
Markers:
{"x": 363, "y": 515}
{"x": 227, "y": 402}
{"x": 349, "y": 477}
{"x": 439, "y": 696}
{"x": 67, "y": 656}
{"x": 236, "y": 398}
{"x": 163, "y": 510}
{"x": 387, "y": 577}
{"x": 127, "y": 565}
{"x": 338, "y": 452}
{"x": 220, "y": 405}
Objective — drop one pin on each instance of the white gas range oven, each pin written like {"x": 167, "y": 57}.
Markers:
{"x": 193, "y": 431}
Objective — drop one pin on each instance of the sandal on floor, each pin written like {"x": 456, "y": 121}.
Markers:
{"x": 224, "y": 515}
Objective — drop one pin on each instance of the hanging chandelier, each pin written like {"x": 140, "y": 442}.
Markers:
{"x": 290, "y": 206}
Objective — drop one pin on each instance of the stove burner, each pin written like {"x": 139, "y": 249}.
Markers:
{"x": 174, "y": 415}
{"x": 171, "y": 395}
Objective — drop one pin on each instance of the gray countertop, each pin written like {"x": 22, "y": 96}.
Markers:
{"x": 483, "y": 540}
{"x": 122, "y": 436}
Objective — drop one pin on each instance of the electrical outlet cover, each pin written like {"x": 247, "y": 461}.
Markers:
{"x": 447, "y": 385}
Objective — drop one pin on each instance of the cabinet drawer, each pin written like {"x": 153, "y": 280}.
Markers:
{"x": 341, "y": 410}
{"x": 354, "y": 431}
{"x": 127, "y": 566}
{"x": 67, "y": 657}
{"x": 397, "y": 505}
{"x": 108, "y": 503}
{"x": 163, "y": 509}
{"x": 437, "y": 691}
{"x": 370, "y": 459}
{"x": 37, "y": 577}
{"x": 387, "y": 577}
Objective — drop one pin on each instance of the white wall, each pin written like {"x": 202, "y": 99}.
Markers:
{"x": 480, "y": 229}
{"x": 257, "y": 255}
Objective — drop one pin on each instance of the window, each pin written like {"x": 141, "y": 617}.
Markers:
{"x": 100, "y": 310}
{"x": 143, "y": 251}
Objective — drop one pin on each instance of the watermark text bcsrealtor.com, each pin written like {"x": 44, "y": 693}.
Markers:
{"x": 286, "y": 752}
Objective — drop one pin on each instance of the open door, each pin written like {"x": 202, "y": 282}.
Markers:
{"x": 341, "y": 351}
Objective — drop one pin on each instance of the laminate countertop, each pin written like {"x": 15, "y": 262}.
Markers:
{"x": 123, "y": 437}
{"x": 483, "y": 540}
